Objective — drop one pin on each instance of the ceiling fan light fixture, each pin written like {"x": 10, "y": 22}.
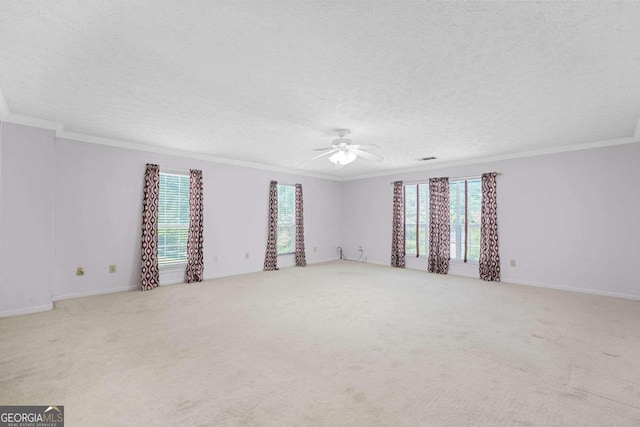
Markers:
{"x": 341, "y": 141}
{"x": 342, "y": 157}
{"x": 342, "y": 151}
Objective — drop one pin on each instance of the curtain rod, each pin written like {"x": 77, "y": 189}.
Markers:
{"x": 457, "y": 178}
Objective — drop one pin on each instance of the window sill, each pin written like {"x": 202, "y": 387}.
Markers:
{"x": 287, "y": 253}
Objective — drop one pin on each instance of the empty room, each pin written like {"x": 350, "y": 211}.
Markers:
{"x": 319, "y": 213}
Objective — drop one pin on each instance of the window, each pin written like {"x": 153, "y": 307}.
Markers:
{"x": 465, "y": 198}
{"x": 416, "y": 214}
{"x": 286, "y": 219}
{"x": 173, "y": 219}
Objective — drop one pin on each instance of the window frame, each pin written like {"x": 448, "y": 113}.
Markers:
{"x": 463, "y": 227}
{"x": 181, "y": 262}
{"x": 419, "y": 210}
{"x": 290, "y": 225}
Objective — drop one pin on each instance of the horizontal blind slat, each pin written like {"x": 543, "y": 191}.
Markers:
{"x": 416, "y": 218}
{"x": 173, "y": 219}
{"x": 286, "y": 219}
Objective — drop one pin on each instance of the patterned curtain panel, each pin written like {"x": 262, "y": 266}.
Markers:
{"x": 195, "y": 259}
{"x": 271, "y": 257}
{"x": 301, "y": 260}
{"x": 398, "y": 233}
{"x": 150, "y": 271}
{"x": 489, "y": 256}
{"x": 439, "y": 226}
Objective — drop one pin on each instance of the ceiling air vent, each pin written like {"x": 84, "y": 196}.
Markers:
{"x": 424, "y": 159}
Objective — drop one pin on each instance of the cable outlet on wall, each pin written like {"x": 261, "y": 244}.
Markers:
{"x": 112, "y": 268}
{"x": 80, "y": 271}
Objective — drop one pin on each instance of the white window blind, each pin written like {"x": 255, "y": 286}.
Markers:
{"x": 416, "y": 219}
{"x": 465, "y": 198}
{"x": 173, "y": 219}
{"x": 286, "y": 219}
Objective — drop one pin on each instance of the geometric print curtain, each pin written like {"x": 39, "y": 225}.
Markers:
{"x": 150, "y": 271}
{"x": 439, "y": 226}
{"x": 195, "y": 261}
{"x": 489, "y": 255}
{"x": 301, "y": 260}
{"x": 271, "y": 256}
{"x": 398, "y": 230}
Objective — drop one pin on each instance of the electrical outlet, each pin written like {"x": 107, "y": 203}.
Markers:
{"x": 112, "y": 268}
{"x": 512, "y": 263}
{"x": 360, "y": 249}
{"x": 80, "y": 271}
{"x": 246, "y": 255}
{"x": 215, "y": 258}
{"x": 315, "y": 249}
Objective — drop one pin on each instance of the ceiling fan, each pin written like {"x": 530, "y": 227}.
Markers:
{"x": 342, "y": 151}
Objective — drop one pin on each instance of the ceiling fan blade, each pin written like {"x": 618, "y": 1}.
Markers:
{"x": 323, "y": 149}
{"x": 367, "y": 155}
{"x": 326, "y": 153}
{"x": 365, "y": 146}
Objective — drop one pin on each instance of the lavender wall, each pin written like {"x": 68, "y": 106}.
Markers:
{"x": 569, "y": 220}
{"x": 94, "y": 193}
{"x": 26, "y": 218}
{"x": 98, "y": 208}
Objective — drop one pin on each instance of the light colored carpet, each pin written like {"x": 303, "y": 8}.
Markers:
{"x": 341, "y": 343}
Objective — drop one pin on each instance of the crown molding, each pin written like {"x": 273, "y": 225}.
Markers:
{"x": 4, "y": 108}
{"x": 490, "y": 159}
{"x": 58, "y": 128}
{"x": 81, "y": 137}
{"x": 35, "y": 122}
{"x": 7, "y": 116}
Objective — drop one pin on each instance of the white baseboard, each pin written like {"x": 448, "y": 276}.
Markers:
{"x": 49, "y": 306}
{"x": 27, "y": 310}
{"x": 321, "y": 261}
{"x": 573, "y": 289}
{"x": 541, "y": 285}
{"x": 92, "y": 293}
{"x": 232, "y": 273}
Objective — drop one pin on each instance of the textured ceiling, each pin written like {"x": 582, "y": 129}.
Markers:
{"x": 266, "y": 82}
